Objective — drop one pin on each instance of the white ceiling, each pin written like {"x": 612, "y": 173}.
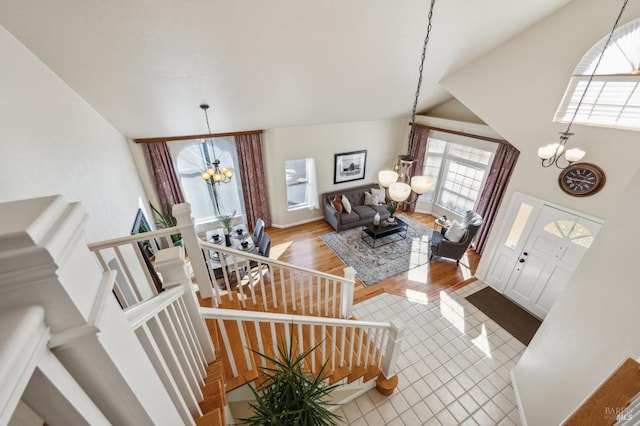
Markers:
{"x": 146, "y": 65}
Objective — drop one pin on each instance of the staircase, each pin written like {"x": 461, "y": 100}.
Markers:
{"x": 189, "y": 350}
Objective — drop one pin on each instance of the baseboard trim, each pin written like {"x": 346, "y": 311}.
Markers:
{"x": 523, "y": 419}
{"x": 290, "y": 225}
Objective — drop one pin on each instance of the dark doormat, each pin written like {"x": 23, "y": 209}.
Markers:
{"x": 515, "y": 320}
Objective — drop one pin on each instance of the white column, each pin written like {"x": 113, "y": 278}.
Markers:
{"x": 394, "y": 344}
{"x": 45, "y": 261}
{"x": 348, "y": 289}
{"x": 170, "y": 263}
{"x": 182, "y": 213}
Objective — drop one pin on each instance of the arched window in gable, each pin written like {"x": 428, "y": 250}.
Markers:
{"x": 613, "y": 98}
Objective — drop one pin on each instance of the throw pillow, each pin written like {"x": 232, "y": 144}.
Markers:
{"x": 381, "y": 195}
{"x": 371, "y": 199}
{"x": 456, "y": 232}
{"x": 337, "y": 204}
{"x": 346, "y": 204}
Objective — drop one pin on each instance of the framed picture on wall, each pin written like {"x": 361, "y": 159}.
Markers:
{"x": 349, "y": 166}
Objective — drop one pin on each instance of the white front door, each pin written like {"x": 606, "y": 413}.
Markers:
{"x": 553, "y": 249}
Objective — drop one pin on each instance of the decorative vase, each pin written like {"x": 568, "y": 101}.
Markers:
{"x": 227, "y": 238}
{"x": 376, "y": 219}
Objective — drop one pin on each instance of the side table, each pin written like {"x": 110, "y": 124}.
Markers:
{"x": 441, "y": 223}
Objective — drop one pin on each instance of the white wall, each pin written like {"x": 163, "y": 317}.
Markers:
{"x": 593, "y": 325}
{"x": 53, "y": 142}
{"x": 383, "y": 140}
{"x": 453, "y": 109}
{"x": 516, "y": 89}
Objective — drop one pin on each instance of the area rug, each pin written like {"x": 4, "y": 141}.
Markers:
{"x": 515, "y": 320}
{"x": 384, "y": 261}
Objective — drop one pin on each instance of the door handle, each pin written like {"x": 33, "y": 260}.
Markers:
{"x": 521, "y": 260}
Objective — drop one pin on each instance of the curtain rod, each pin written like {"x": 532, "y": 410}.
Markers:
{"x": 470, "y": 135}
{"x": 204, "y": 136}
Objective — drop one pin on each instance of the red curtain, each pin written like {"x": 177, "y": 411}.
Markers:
{"x": 417, "y": 149}
{"x": 254, "y": 186}
{"x": 501, "y": 169}
{"x": 164, "y": 175}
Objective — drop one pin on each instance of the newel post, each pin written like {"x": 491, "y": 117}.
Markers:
{"x": 388, "y": 380}
{"x": 182, "y": 213}
{"x": 171, "y": 265}
{"x": 45, "y": 261}
{"x": 348, "y": 289}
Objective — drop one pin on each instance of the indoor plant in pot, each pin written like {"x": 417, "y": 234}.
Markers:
{"x": 165, "y": 220}
{"x": 289, "y": 396}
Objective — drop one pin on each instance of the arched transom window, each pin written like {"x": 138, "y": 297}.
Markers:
{"x": 613, "y": 97}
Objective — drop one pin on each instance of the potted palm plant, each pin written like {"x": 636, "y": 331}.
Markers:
{"x": 165, "y": 220}
{"x": 289, "y": 396}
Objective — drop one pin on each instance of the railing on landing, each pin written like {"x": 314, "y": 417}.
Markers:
{"x": 281, "y": 286}
{"x": 285, "y": 288}
{"x": 342, "y": 343}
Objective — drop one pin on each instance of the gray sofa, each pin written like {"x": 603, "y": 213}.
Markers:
{"x": 360, "y": 213}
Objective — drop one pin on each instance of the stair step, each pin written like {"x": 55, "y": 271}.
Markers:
{"x": 314, "y": 361}
{"x": 214, "y": 397}
{"x": 212, "y": 418}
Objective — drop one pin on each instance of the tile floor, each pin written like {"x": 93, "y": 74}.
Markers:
{"x": 453, "y": 369}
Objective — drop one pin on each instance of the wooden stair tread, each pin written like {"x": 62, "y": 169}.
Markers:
{"x": 341, "y": 363}
{"x": 212, "y": 418}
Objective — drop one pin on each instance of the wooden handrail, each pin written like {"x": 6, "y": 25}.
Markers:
{"x": 240, "y": 315}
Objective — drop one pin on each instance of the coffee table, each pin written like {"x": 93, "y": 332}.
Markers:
{"x": 371, "y": 233}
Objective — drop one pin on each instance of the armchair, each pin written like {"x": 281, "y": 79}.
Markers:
{"x": 442, "y": 247}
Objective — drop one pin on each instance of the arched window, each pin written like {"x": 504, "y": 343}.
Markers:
{"x": 613, "y": 98}
{"x": 208, "y": 203}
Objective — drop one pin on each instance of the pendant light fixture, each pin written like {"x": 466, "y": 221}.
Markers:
{"x": 552, "y": 154}
{"x": 214, "y": 174}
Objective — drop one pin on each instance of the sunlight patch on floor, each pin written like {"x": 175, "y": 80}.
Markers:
{"x": 419, "y": 259}
{"x": 276, "y": 251}
{"x": 452, "y": 311}
{"x": 466, "y": 271}
{"x": 419, "y": 251}
{"x": 417, "y": 297}
{"x": 482, "y": 342}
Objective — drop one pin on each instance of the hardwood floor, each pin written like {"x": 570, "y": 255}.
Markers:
{"x": 301, "y": 245}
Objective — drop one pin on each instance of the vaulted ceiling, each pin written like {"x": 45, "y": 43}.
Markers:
{"x": 146, "y": 65}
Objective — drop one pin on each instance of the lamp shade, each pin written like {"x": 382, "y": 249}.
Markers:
{"x": 421, "y": 184}
{"x": 387, "y": 177}
{"x": 574, "y": 154}
{"x": 546, "y": 152}
{"x": 399, "y": 191}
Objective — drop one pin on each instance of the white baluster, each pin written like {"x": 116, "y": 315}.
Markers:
{"x": 348, "y": 289}
{"x": 155, "y": 355}
{"x": 162, "y": 341}
{"x": 170, "y": 263}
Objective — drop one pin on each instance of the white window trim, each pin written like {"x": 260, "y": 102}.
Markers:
{"x": 432, "y": 207}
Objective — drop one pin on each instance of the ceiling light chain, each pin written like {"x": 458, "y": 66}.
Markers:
{"x": 424, "y": 54}
{"x": 551, "y": 154}
{"x": 400, "y": 186}
{"x": 213, "y": 173}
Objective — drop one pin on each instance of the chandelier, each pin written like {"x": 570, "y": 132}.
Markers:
{"x": 214, "y": 174}
{"x": 398, "y": 182}
{"x": 551, "y": 154}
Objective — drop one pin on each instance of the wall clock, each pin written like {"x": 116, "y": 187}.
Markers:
{"x": 582, "y": 179}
